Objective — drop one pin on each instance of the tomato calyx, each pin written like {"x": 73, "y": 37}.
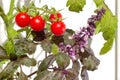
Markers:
{"x": 54, "y": 17}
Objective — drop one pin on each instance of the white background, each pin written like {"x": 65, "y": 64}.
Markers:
{"x": 118, "y": 39}
{"x": 106, "y": 69}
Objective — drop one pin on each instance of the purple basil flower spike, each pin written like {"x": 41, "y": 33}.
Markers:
{"x": 71, "y": 52}
{"x": 81, "y": 38}
{"x": 68, "y": 47}
{"x": 61, "y": 47}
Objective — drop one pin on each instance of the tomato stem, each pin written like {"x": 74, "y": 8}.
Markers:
{"x": 4, "y": 17}
{"x": 32, "y": 73}
{"x": 46, "y": 11}
{"x": 28, "y": 32}
{"x": 11, "y": 9}
{"x": 8, "y": 23}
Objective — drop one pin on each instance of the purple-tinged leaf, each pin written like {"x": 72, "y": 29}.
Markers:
{"x": 62, "y": 60}
{"x": 9, "y": 70}
{"x": 22, "y": 76}
{"x": 84, "y": 74}
{"x": 87, "y": 52}
{"x": 76, "y": 67}
{"x": 44, "y": 75}
{"x": 46, "y": 63}
{"x": 71, "y": 75}
{"x": 23, "y": 46}
{"x": 91, "y": 63}
{"x": 46, "y": 45}
{"x": 68, "y": 38}
{"x": 27, "y": 61}
{"x": 57, "y": 39}
{"x": 70, "y": 31}
{"x": 3, "y": 53}
{"x": 58, "y": 75}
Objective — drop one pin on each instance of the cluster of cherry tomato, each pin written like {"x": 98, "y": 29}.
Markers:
{"x": 37, "y": 23}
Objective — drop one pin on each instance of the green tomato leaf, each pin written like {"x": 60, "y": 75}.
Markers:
{"x": 98, "y": 2}
{"x": 55, "y": 49}
{"x": 9, "y": 47}
{"x": 108, "y": 21}
{"x": 11, "y": 32}
{"x": 63, "y": 60}
{"x": 108, "y": 34}
{"x": 98, "y": 28}
{"x": 108, "y": 26}
{"x": 107, "y": 46}
{"x": 46, "y": 63}
{"x": 75, "y": 5}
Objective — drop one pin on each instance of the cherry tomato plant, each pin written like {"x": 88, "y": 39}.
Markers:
{"x": 45, "y": 27}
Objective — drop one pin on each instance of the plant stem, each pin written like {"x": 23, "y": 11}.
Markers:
{"x": 45, "y": 54}
{"x": 11, "y": 8}
{"x": 5, "y": 19}
{"x": 28, "y": 32}
{"x": 46, "y": 11}
{"x": 32, "y": 74}
{"x": 4, "y": 16}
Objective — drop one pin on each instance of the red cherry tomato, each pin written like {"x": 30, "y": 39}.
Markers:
{"x": 58, "y": 28}
{"x": 37, "y": 23}
{"x": 55, "y": 16}
{"x": 22, "y": 19}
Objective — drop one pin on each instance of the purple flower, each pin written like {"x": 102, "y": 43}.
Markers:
{"x": 62, "y": 47}
{"x": 91, "y": 29}
{"x": 67, "y": 48}
{"x": 81, "y": 38}
{"x": 71, "y": 52}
